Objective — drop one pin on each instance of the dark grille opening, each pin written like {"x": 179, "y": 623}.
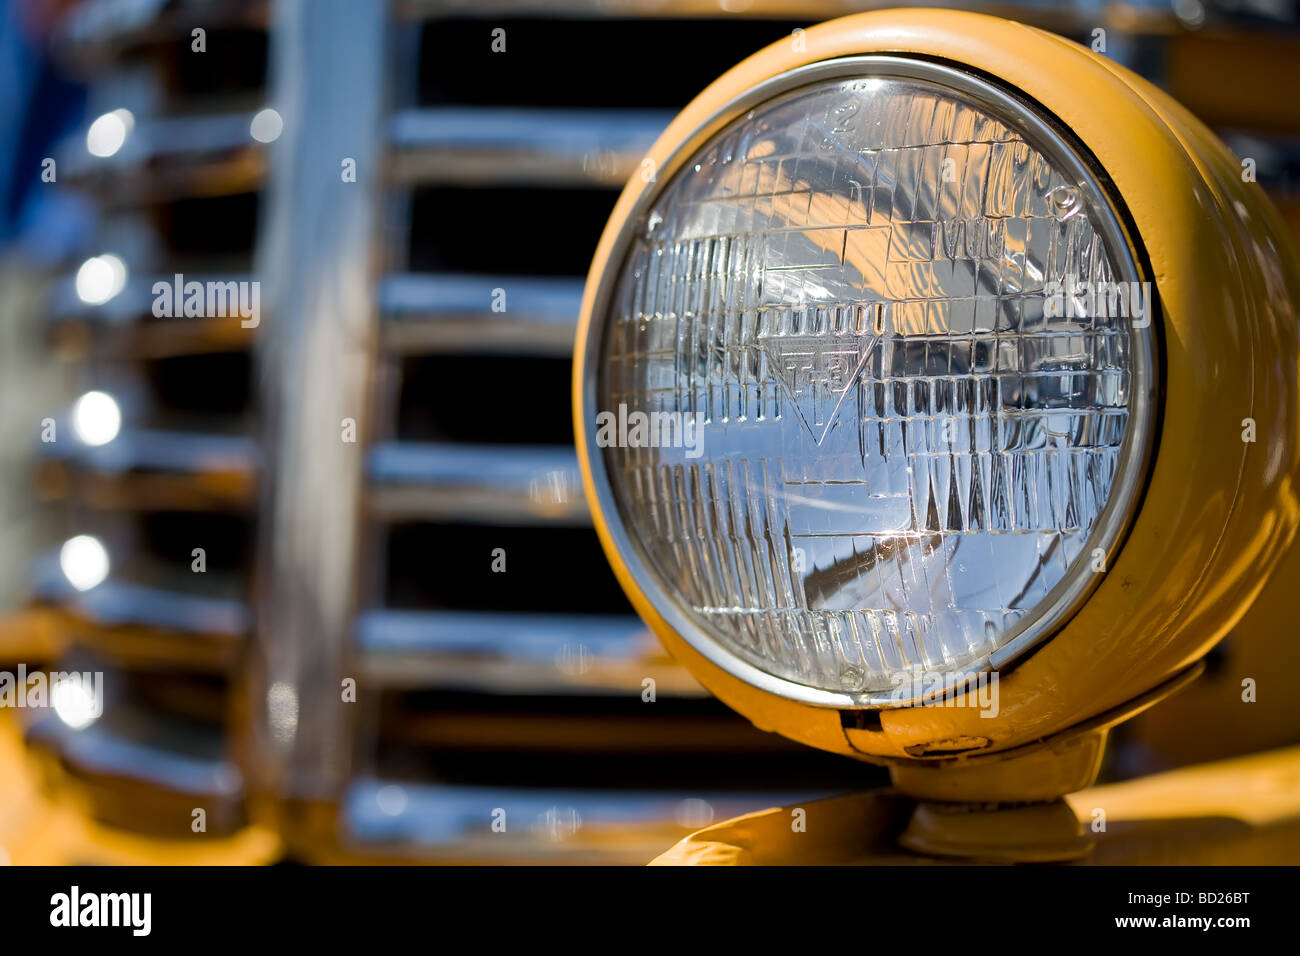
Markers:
{"x": 485, "y": 398}
{"x": 215, "y": 384}
{"x": 193, "y": 705}
{"x": 617, "y": 64}
{"x": 242, "y": 55}
{"x": 684, "y": 773}
{"x": 170, "y": 537}
{"x": 213, "y": 231}
{"x": 548, "y": 570}
{"x": 684, "y": 744}
{"x": 154, "y": 550}
{"x": 507, "y": 231}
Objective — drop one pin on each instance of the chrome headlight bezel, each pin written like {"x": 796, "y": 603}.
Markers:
{"x": 1138, "y": 451}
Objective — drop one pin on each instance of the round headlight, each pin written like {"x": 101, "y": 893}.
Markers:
{"x": 871, "y": 389}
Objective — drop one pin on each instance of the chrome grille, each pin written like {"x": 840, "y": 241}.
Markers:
{"x": 330, "y": 560}
{"x": 181, "y": 196}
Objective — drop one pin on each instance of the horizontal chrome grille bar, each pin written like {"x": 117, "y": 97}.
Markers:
{"x": 136, "y": 781}
{"x": 433, "y": 312}
{"x": 124, "y": 326}
{"x": 171, "y": 158}
{"x": 135, "y": 301}
{"x": 186, "y": 453}
{"x": 491, "y": 484}
{"x": 101, "y": 752}
{"x": 145, "y": 469}
{"x": 521, "y": 146}
{"x": 116, "y": 603}
{"x": 540, "y": 826}
{"x": 516, "y": 653}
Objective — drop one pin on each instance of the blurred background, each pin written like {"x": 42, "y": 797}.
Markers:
{"x": 370, "y": 641}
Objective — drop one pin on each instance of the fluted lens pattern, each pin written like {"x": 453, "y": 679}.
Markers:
{"x": 843, "y": 424}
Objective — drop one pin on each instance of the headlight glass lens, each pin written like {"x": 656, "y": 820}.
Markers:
{"x": 849, "y": 426}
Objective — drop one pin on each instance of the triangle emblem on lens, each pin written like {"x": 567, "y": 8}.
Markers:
{"x": 817, "y": 373}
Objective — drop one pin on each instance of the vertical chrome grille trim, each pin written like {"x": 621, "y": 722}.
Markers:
{"x": 315, "y": 356}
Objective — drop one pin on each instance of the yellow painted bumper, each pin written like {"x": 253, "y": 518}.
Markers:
{"x": 37, "y": 829}
{"x": 1244, "y": 811}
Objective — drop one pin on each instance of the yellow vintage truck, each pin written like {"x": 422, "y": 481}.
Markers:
{"x": 911, "y": 478}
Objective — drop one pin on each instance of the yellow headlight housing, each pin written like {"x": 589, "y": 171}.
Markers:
{"x": 1206, "y": 494}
